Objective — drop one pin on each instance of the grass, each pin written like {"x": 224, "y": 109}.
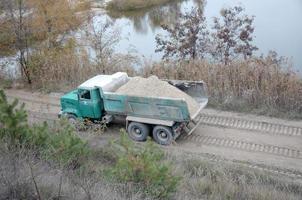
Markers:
{"x": 202, "y": 179}
{"x": 209, "y": 180}
{"x": 131, "y": 5}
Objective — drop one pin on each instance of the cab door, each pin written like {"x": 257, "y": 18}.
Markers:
{"x": 86, "y": 103}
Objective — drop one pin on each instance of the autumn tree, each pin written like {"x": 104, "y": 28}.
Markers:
{"x": 233, "y": 35}
{"x": 103, "y": 37}
{"x": 31, "y": 25}
{"x": 53, "y": 18}
{"x": 17, "y": 21}
{"x": 186, "y": 39}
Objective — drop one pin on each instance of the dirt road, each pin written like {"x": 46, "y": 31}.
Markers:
{"x": 270, "y": 144}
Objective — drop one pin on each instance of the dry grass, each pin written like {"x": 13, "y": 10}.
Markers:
{"x": 63, "y": 69}
{"x": 258, "y": 85}
{"x": 206, "y": 180}
{"x": 130, "y": 5}
{"x": 20, "y": 170}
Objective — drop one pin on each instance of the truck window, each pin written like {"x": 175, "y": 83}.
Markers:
{"x": 85, "y": 94}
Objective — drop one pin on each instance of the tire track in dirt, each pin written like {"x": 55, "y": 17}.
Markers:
{"x": 49, "y": 106}
{"x": 42, "y": 116}
{"x": 245, "y": 146}
{"x": 31, "y": 100}
{"x": 252, "y": 125}
{"x": 260, "y": 127}
{"x": 211, "y": 157}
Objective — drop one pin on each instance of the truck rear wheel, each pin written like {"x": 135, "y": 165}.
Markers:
{"x": 138, "y": 131}
{"x": 163, "y": 135}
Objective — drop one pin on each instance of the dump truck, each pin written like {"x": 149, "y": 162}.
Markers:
{"x": 162, "y": 118}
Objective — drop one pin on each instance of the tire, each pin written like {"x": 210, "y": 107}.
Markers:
{"x": 72, "y": 119}
{"x": 138, "y": 131}
{"x": 163, "y": 135}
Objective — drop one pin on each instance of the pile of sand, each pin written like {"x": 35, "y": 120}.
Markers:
{"x": 153, "y": 87}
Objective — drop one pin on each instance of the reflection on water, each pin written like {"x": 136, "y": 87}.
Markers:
{"x": 277, "y": 25}
{"x": 151, "y": 18}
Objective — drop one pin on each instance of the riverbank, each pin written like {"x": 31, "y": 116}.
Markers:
{"x": 132, "y": 5}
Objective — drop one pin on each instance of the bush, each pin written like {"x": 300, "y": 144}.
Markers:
{"x": 65, "y": 147}
{"x": 13, "y": 121}
{"x": 58, "y": 143}
{"x": 144, "y": 167}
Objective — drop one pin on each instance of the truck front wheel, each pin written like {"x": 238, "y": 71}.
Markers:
{"x": 138, "y": 131}
{"x": 163, "y": 135}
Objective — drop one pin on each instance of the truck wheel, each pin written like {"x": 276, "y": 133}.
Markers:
{"x": 138, "y": 131}
{"x": 71, "y": 119}
{"x": 163, "y": 135}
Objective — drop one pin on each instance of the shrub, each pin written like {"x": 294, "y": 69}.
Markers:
{"x": 13, "y": 121}
{"x": 58, "y": 143}
{"x": 144, "y": 167}
{"x": 65, "y": 147}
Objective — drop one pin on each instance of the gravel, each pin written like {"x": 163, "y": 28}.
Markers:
{"x": 154, "y": 87}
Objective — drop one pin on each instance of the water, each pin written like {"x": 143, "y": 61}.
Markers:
{"x": 277, "y": 24}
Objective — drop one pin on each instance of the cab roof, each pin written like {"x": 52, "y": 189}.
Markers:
{"x": 103, "y": 81}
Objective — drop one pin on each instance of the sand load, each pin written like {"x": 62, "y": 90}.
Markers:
{"x": 154, "y": 87}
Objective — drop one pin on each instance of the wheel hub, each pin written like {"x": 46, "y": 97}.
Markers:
{"x": 137, "y": 131}
{"x": 163, "y": 135}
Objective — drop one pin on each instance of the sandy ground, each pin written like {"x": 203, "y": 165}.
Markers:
{"x": 252, "y": 146}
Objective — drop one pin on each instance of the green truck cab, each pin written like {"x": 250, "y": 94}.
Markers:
{"x": 83, "y": 103}
{"x": 162, "y": 118}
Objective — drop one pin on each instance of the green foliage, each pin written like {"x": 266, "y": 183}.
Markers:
{"x": 144, "y": 167}
{"x": 13, "y": 121}
{"x": 58, "y": 143}
{"x": 65, "y": 147}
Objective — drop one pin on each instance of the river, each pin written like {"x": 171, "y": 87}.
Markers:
{"x": 277, "y": 25}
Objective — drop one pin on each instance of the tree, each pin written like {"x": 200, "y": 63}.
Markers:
{"x": 52, "y": 18}
{"x": 232, "y": 35}
{"x": 187, "y": 38}
{"x": 29, "y": 22}
{"x": 103, "y": 38}
{"x": 16, "y": 15}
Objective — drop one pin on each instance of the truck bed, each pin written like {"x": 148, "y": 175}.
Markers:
{"x": 170, "y": 109}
